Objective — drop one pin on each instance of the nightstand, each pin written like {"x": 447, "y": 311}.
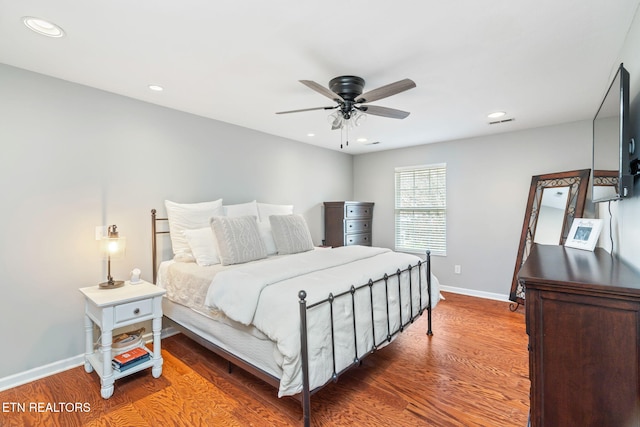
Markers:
{"x": 114, "y": 308}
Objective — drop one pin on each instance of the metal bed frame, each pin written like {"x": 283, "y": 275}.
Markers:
{"x": 393, "y": 279}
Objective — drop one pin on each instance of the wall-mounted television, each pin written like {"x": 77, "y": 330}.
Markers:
{"x": 613, "y": 165}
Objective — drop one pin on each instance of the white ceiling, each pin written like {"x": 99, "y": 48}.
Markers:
{"x": 543, "y": 62}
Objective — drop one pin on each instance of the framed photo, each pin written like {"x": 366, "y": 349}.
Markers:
{"x": 584, "y": 233}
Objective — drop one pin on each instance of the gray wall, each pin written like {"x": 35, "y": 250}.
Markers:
{"x": 488, "y": 182}
{"x": 75, "y": 157}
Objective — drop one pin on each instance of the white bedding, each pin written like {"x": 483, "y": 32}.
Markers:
{"x": 264, "y": 295}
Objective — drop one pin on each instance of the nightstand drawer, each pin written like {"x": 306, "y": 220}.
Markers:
{"x": 133, "y": 310}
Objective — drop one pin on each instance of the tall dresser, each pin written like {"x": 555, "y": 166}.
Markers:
{"x": 583, "y": 321}
{"x": 347, "y": 223}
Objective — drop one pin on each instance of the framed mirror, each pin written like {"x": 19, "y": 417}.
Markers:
{"x": 554, "y": 201}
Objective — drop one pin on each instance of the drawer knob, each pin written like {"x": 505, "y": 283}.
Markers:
{"x": 136, "y": 311}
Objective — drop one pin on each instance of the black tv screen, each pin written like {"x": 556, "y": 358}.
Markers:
{"x": 611, "y": 177}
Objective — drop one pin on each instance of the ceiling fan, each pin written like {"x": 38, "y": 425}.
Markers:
{"x": 351, "y": 103}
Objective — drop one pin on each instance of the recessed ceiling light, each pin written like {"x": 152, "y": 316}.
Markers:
{"x": 311, "y": 134}
{"x": 496, "y": 114}
{"x": 43, "y": 27}
{"x": 156, "y": 88}
{"x": 362, "y": 139}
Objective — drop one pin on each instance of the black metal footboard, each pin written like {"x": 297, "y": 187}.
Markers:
{"x": 386, "y": 281}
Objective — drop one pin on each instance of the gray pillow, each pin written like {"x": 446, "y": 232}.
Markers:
{"x": 238, "y": 239}
{"x": 291, "y": 234}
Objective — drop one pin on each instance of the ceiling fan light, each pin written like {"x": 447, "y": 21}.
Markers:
{"x": 359, "y": 118}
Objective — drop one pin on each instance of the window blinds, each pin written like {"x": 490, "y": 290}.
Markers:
{"x": 421, "y": 209}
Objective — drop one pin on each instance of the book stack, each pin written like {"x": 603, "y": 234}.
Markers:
{"x": 129, "y": 359}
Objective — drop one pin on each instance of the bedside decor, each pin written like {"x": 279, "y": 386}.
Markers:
{"x": 584, "y": 233}
{"x": 112, "y": 246}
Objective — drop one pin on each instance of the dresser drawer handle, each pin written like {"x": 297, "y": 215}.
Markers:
{"x": 136, "y": 311}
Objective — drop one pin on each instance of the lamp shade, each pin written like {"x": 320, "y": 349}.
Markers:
{"x": 113, "y": 247}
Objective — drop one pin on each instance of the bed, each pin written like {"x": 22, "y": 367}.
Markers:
{"x": 298, "y": 317}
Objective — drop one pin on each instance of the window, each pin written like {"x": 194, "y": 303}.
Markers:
{"x": 421, "y": 209}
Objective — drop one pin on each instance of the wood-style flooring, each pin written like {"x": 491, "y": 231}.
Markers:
{"x": 472, "y": 372}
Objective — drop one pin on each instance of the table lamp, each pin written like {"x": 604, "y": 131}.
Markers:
{"x": 112, "y": 246}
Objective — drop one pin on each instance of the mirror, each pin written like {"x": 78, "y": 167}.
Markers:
{"x": 554, "y": 201}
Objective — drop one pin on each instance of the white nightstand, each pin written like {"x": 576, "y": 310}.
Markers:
{"x": 113, "y": 308}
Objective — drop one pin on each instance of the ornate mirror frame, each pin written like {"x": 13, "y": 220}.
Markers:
{"x": 577, "y": 182}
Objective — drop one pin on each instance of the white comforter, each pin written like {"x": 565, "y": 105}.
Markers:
{"x": 266, "y": 296}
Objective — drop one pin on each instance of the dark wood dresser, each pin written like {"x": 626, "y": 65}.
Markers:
{"x": 347, "y": 223}
{"x": 583, "y": 321}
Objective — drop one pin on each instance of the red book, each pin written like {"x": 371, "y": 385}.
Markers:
{"x": 131, "y": 355}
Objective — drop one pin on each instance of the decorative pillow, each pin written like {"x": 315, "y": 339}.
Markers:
{"x": 188, "y": 216}
{"x": 238, "y": 239}
{"x": 266, "y": 210}
{"x": 242, "y": 209}
{"x": 291, "y": 234}
{"x": 203, "y": 246}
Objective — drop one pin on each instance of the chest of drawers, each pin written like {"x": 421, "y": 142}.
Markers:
{"x": 348, "y": 223}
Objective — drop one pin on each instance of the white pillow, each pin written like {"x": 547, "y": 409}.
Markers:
{"x": 202, "y": 242}
{"x": 238, "y": 239}
{"x": 267, "y": 237}
{"x": 291, "y": 234}
{"x": 188, "y": 216}
{"x": 266, "y": 210}
{"x": 242, "y": 209}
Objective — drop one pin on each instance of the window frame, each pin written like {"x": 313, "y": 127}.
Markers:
{"x": 437, "y": 245}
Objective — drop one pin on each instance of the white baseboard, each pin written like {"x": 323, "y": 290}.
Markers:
{"x": 40, "y": 372}
{"x": 25, "y": 377}
{"x": 474, "y": 293}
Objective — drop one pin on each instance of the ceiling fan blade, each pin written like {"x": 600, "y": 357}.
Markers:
{"x": 387, "y": 90}
{"x": 322, "y": 90}
{"x": 383, "y": 111}
{"x": 307, "y": 109}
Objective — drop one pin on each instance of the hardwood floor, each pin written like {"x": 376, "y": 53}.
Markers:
{"x": 472, "y": 372}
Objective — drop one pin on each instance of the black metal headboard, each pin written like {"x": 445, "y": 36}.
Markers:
{"x": 154, "y": 241}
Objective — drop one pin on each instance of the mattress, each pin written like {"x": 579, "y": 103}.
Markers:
{"x": 187, "y": 284}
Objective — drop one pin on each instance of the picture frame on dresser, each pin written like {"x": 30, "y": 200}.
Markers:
{"x": 584, "y": 233}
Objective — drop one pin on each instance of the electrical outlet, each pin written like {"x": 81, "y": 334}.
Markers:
{"x": 457, "y": 269}
{"x": 101, "y": 231}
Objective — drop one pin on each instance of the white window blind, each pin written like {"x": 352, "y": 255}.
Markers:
{"x": 421, "y": 209}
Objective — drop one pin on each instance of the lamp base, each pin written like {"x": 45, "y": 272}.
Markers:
{"x": 111, "y": 284}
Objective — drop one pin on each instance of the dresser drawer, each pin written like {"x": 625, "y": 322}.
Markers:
{"x": 357, "y": 226}
{"x": 133, "y": 310}
{"x": 357, "y": 211}
{"x": 363, "y": 239}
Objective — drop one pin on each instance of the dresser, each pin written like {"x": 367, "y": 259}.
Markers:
{"x": 347, "y": 223}
{"x": 583, "y": 322}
